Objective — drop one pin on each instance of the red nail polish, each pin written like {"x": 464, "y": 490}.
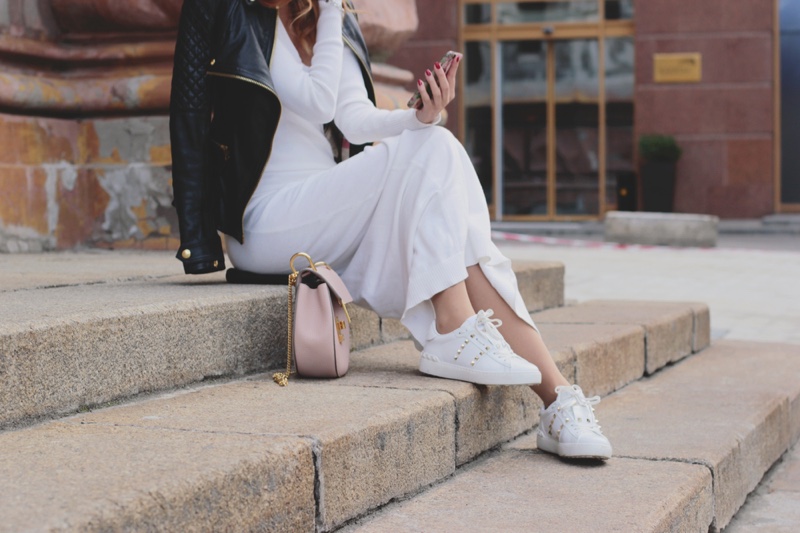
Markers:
{"x": 437, "y": 65}
{"x": 419, "y": 82}
{"x": 458, "y": 59}
{"x": 428, "y": 72}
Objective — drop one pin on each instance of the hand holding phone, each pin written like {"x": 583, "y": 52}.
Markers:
{"x": 447, "y": 62}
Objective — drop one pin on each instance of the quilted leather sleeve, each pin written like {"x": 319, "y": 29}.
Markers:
{"x": 192, "y": 55}
{"x": 195, "y": 197}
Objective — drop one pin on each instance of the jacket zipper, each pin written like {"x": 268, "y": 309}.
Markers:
{"x": 226, "y": 150}
{"x": 241, "y": 78}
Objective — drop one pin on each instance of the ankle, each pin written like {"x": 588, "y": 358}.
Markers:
{"x": 547, "y": 397}
{"x": 547, "y": 390}
{"x": 447, "y": 323}
{"x": 452, "y": 307}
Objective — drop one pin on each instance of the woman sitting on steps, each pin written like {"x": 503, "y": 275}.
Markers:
{"x": 261, "y": 88}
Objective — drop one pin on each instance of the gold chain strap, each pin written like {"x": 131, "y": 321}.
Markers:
{"x": 282, "y": 378}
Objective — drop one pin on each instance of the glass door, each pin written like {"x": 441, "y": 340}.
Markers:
{"x": 535, "y": 110}
{"x": 576, "y": 118}
{"x": 523, "y": 129}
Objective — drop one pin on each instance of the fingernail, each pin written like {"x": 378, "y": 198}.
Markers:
{"x": 419, "y": 82}
{"x": 428, "y": 72}
{"x": 458, "y": 59}
{"x": 437, "y": 65}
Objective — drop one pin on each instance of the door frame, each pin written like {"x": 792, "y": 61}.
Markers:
{"x": 780, "y": 205}
{"x": 494, "y": 34}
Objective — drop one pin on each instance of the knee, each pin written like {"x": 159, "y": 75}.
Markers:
{"x": 437, "y": 135}
{"x": 439, "y": 144}
{"x": 440, "y": 155}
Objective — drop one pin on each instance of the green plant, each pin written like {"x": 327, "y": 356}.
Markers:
{"x": 659, "y": 148}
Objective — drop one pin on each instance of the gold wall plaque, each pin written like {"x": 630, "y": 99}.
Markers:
{"x": 677, "y": 68}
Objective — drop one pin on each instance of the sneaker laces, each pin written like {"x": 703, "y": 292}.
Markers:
{"x": 487, "y": 327}
{"x": 576, "y": 398}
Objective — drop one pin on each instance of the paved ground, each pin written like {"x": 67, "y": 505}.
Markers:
{"x": 753, "y": 294}
{"x": 752, "y": 286}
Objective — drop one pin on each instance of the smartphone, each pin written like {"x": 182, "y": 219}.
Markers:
{"x": 447, "y": 62}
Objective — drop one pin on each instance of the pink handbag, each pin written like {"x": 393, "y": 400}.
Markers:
{"x": 319, "y": 324}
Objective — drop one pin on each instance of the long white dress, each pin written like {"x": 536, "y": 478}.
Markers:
{"x": 399, "y": 222}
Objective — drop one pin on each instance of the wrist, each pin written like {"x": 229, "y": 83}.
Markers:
{"x": 424, "y": 119}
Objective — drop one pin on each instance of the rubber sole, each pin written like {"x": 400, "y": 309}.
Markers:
{"x": 449, "y": 371}
{"x": 573, "y": 451}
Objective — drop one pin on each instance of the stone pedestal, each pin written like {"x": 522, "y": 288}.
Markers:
{"x": 664, "y": 229}
{"x": 84, "y": 96}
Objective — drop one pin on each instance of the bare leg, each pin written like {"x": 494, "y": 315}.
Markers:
{"x": 452, "y": 307}
{"x": 524, "y": 340}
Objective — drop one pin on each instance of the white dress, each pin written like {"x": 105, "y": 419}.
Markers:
{"x": 399, "y": 222}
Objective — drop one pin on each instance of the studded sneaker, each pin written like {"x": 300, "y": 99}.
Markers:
{"x": 477, "y": 352}
{"x": 568, "y": 427}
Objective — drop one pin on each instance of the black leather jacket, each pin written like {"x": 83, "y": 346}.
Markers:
{"x": 223, "y": 115}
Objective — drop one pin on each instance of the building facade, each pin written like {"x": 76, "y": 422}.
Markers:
{"x": 556, "y": 93}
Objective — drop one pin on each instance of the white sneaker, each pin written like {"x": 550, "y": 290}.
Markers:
{"x": 476, "y": 352}
{"x": 568, "y": 426}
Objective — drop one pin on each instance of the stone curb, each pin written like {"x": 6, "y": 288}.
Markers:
{"x": 66, "y": 348}
{"x": 382, "y": 432}
{"x": 661, "y": 229}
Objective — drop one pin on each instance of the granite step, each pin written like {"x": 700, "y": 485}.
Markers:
{"x": 690, "y": 443}
{"x": 673, "y": 330}
{"x": 72, "y": 337}
{"x": 248, "y": 455}
{"x": 773, "y": 506}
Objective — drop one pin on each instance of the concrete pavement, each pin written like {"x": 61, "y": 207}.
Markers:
{"x": 753, "y": 294}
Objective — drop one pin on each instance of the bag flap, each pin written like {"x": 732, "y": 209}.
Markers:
{"x": 332, "y": 279}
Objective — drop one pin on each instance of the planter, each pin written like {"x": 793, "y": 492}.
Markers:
{"x": 658, "y": 185}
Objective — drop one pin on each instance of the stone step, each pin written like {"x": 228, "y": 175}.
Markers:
{"x": 773, "y": 506}
{"x": 673, "y": 330}
{"x": 689, "y": 442}
{"x": 73, "y": 337}
{"x": 249, "y": 455}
